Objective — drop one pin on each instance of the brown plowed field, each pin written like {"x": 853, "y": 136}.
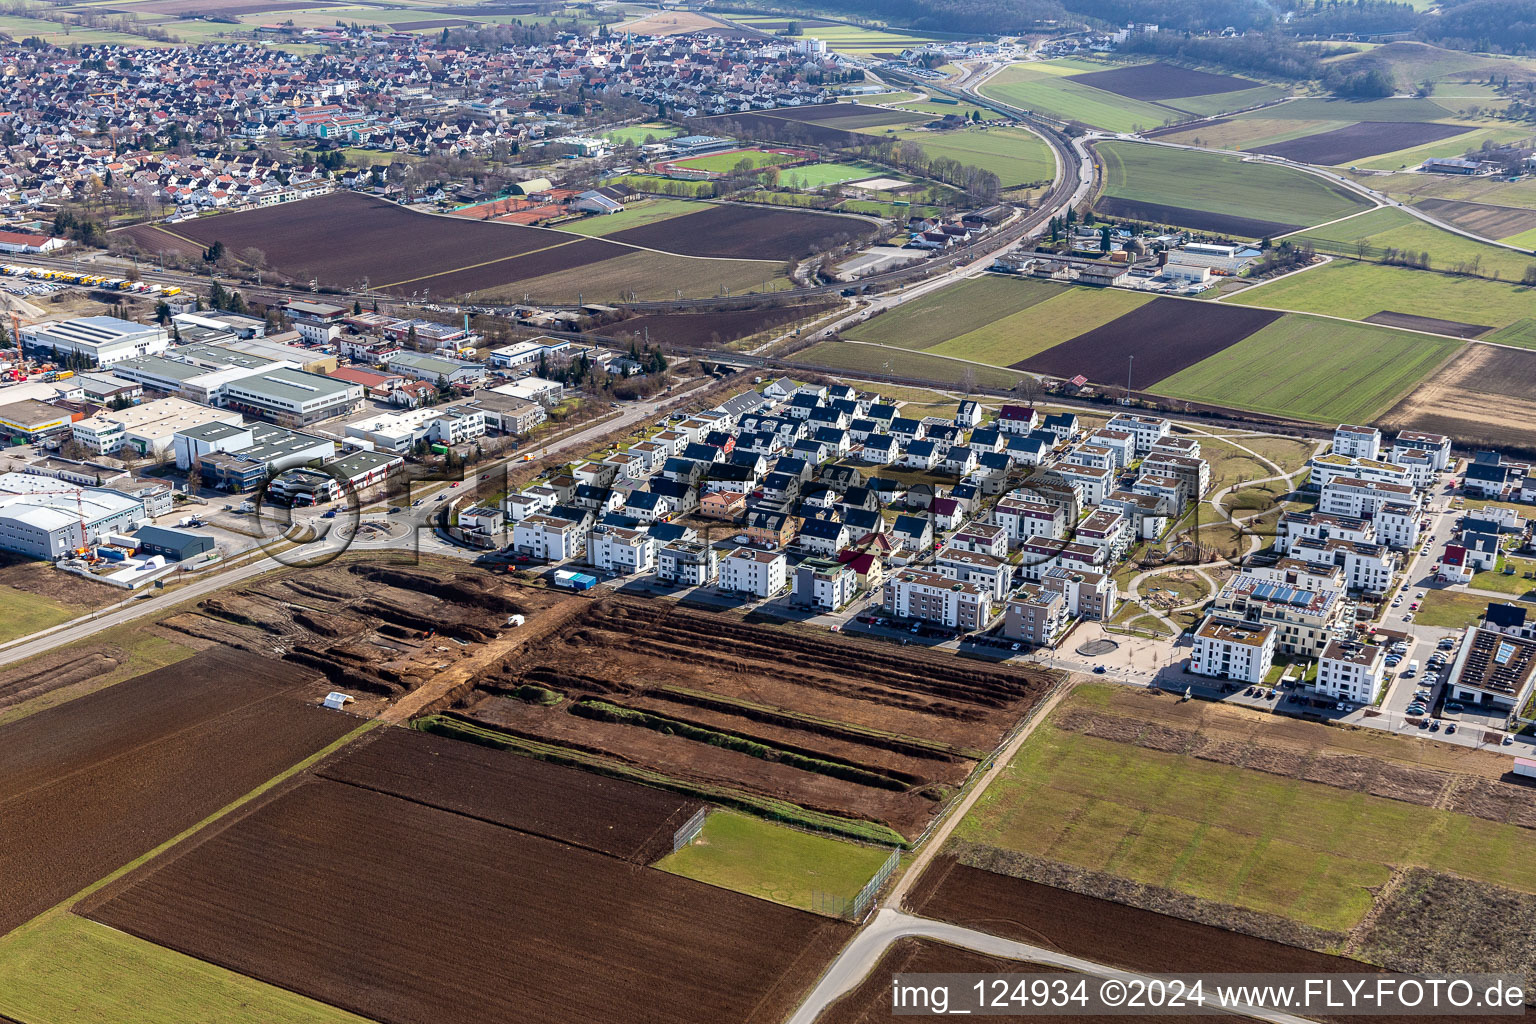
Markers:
{"x": 221, "y": 6}
{"x": 562, "y": 255}
{"x": 904, "y": 727}
{"x": 1409, "y": 321}
{"x": 89, "y": 785}
{"x": 1358, "y": 141}
{"x": 1159, "y": 81}
{"x": 1203, "y": 220}
{"x": 152, "y": 241}
{"x": 763, "y": 126}
{"x": 870, "y": 1003}
{"x": 829, "y": 113}
{"x": 1165, "y": 335}
{"x": 1482, "y": 218}
{"x": 1117, "y": 935}
{"x": 411, "y": 26}
{"x": 622, "y": 819}
{"x": 701, "y": 330}
{"x": 365, "y": 626}
{"x": 412, "y": 915}
{"x": 345, "y": 237}
{"x": 746, "y": 232}
{"x": 1484, "y": 396}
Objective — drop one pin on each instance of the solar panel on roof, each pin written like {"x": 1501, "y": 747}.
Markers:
{"x": 1506, "y": 651}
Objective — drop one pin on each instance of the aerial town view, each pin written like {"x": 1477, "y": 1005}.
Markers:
{"x": 800, "y": 512}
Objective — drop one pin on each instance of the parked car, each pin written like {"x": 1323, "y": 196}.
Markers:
{"x": 1098, "y": 670}
{"x": 1450, "y": 728}
{"x": 1424, "y": 724}
{"x": 1434, "y": 726}
{"x": 1452, "y": 705}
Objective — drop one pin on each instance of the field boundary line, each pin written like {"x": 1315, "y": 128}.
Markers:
{"x": 486, "y": 263}
{"x": 1326, "y": 223}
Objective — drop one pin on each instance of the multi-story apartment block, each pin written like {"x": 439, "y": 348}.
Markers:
{"x": 1147, "y": 430}
{"x": 750, "y": 571}
{"x": 1357, "y": 442}
{"x": 1089, "y": 595}
{"x": 687, "y": 563}
{"x": 621, "y": 550}
{"x": 1023, "y": 518}
{"x": 1352, "y": 670}
{"x": 914, "y": 593}
{"x": 1035, "y": 616}
{"x": 546, "y": 537}
{"x": 1303, "y": 620}
{"x": 1228, "y": 649}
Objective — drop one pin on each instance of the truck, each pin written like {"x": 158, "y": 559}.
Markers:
{"x": 1413, "y": 670}
{"x": 574, "y": 580}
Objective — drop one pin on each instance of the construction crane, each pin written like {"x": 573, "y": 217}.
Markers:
{"x": 16, "y": 374}
{"x": 85, "y": 549}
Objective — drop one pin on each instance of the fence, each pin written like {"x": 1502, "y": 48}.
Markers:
{"x": 854, "y": 909}
{"x": 692, "y": 827}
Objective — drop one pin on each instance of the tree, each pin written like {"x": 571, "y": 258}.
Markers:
{"x": 1104, "y": 238}
{"x": 214, "y": 253}
{"x": 357, "y": 307}
{"x": 162, "y": 312}
{"x": 253, "y": 257}
{"x": 195, "y": 478}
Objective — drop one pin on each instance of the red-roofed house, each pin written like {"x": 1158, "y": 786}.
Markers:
{"x": 19, "y": 241}
{"x": 1016, "y": 419}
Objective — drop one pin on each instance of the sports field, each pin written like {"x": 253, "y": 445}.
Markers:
{"x": 727, "y": 161}
{"x": 1015, "y": 155}
{"x": 1389, "y": 228}
{"x": 1354, "y": 290}
{"x": 1315, "y": 369}
{"x": 64, "y": 969}
{"x": 774, "y": 862}
{"x": 825, "y": 175}
{"x": 1278, "y": 845}
{"x": 1066, "y": 313}
{"x": 636, "y": 134}
{"x": 1038, "y": 90}
{"x": 973, "y": 304}
{"x": 632, "y": 216}
{"x": 1222, "y": 186}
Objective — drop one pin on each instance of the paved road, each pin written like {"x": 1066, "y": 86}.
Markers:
{"x": 861, "y": 955}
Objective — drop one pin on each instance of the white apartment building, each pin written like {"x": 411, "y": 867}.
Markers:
{"x": 1147, "y": 430}
{"x": 1326, "y": 468}
{"x": 751, "y": 571}
{"x": 1023, "y": 518}
{"x": 1352, "y": 670}
{"x": 1394, "y": 508}
{"x": 687, "y": 563}
{"x": 1368, "y": 568}
{"x": 1437, "y": 446}
{"x": 1227, "y": 649}
{"x": 546, "y": 537}
{"x": 621, "y": 550}
{"x": 933, "y": 597}
{"x": 824, "y": 584}
{"x": 1357, "y": 442}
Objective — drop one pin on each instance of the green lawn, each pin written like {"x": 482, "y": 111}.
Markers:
{"x": 1221, "y": 184}
{"x": 658, "y": 183}
{"x": 27, "y": 613}
{"x": 67, "y": 970}
{"x": 774, "y": 862}
{"x": 972, "y": 304}
{"x": 1300, "y": 850}
{"x": 1519, "y": 585}
{"x": 638, "y": 133}
{"x": 632, "y": 216}
{"x": 1355, "y": 290}
{"x": 815, "y": 176}
{"x": 1390, "y": 228}
{"x": 1521, "y": 333}
{"x": 1015, "y": 155}
{"x": 1452, "y": 609}
{"x": 721, "y": 162}
{"x": 1314, "y": 369}
{"x": 1065, "y": 313}
{"x": 1030, "y": 88}
{"x": 854, "y": 359}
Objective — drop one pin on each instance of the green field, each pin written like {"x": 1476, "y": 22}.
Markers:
{"x": 825, "y": 175}
{"x": 1015, "y": 155}
{"x": 722, "y": 162}
{"x": 67, "y": 970}
{"x": 1456, "y": 145}
{"x": 632, "y": 216}
{"x": 26, "y": 613}
{"x": 855, "y": 359}
{"x": 1219, "y": 102}
{"x": 939, "y": 107}
{"x": 636, "y": 134}
{"x": 1391, "y": 228}
{"x": 971, "y": 305}
{"x": 1452, "y": 609}
{"x": 1300, "y": 850}
{"x": 1220, "y": 184}
{"x": 1316, "y": 109}
{"x": 1519, "y": 585}
{"x": 1521, "y": 333}
{"x": 1355, "y": 290}
{"x": 851, "y": 39}
{"x": 1028, "y": 87}
{"x": 774, "y": 862}
{"x": 1314, "y": 369}
{"x": 658, "y": 183}
{"x": 1065, "y": 313}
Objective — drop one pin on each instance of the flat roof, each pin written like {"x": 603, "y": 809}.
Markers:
{"x": 1235, "y": 632}
{"x": 294, "y": 385}
{"x": 94, "y": 330}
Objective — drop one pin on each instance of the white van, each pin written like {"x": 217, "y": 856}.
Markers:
{"x": 1413, "y": 670}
